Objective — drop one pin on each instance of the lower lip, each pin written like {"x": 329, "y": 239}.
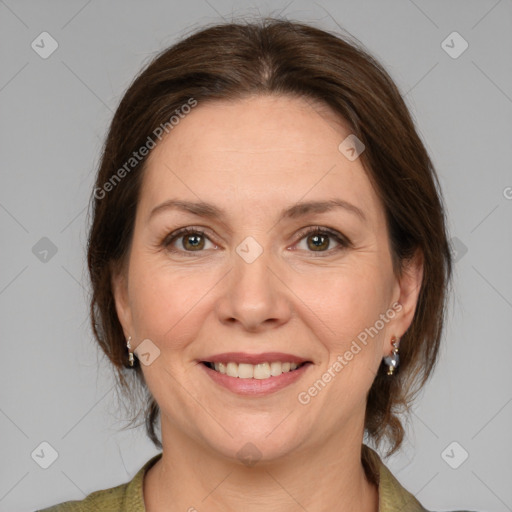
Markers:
{"x": 256, "y": 387}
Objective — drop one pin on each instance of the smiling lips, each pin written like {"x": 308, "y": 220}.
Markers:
{"x": 243, "y": 357}
{"x": 254, "y": 366}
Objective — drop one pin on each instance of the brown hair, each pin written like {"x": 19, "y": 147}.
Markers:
{"x": 280, "y": 57}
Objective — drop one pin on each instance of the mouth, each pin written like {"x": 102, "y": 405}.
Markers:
{"x": 259, "y": 371}
{"x": 254, "y": 375}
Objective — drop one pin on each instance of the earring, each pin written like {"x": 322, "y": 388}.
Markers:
{"x": 392, "y": 360}
{"x": 130, "y": 353}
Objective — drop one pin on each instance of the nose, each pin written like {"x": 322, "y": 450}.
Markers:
{"x": 255, "y": 296}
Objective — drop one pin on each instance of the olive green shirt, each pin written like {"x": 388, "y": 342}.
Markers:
{"x": 128, "y": 497}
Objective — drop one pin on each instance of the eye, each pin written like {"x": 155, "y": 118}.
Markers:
{"x": 319, "y": 239}
{"x": 187, "y": 240}
{"x": 314, "y": 239}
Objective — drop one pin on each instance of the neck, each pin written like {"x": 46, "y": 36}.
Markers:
{"x": 329, "y": 476}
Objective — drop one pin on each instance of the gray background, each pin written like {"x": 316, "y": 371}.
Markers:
{"x": 55, "y": 386}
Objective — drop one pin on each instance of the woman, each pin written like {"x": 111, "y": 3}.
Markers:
{"x": 269, "y": 258}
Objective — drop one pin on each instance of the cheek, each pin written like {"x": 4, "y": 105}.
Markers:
{"x": 345, "y": 300}
{"x": 348, "y": 305}
{"x": 166, "y": 303}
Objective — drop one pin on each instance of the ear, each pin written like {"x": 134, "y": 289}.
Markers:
{"x": 119, "y": 282}
{"x": 407, "y": 293}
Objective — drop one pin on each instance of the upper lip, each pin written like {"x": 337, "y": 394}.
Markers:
{"x": 243, "y": 357}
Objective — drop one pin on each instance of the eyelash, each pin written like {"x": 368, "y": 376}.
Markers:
{"x": 313, "y": 230}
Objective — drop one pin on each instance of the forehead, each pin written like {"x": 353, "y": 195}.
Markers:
{"x": 262, "y": 150}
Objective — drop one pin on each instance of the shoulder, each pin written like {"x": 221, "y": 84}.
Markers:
{"x": 108, "y": 499}
{"x": 393, "y": 497}
{"x": 127, "y": 497}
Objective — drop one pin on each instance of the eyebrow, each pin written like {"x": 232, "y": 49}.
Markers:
{"x": 208, "y": 210}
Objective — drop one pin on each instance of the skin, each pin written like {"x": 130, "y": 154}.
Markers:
{"x": 253, "y": 158}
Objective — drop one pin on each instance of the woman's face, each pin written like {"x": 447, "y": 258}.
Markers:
{"x": 262, "y": 273}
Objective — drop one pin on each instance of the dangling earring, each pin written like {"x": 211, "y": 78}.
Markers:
{"x": 130, "y": 353}
{"x": 392, "y": 360}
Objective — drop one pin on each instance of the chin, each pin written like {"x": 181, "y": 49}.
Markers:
{"x": 254, "y": 442}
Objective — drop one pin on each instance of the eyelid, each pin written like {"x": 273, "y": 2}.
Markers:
{"x": 321, "y": 229}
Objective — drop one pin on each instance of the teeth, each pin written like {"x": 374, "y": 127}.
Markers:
{"x": 232, "y": 369}
{"x": 245, "y": 371}
{"x": 254, "y": 371}
{"x": 262, "y": 371}
{"x": 276, "y": 368}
